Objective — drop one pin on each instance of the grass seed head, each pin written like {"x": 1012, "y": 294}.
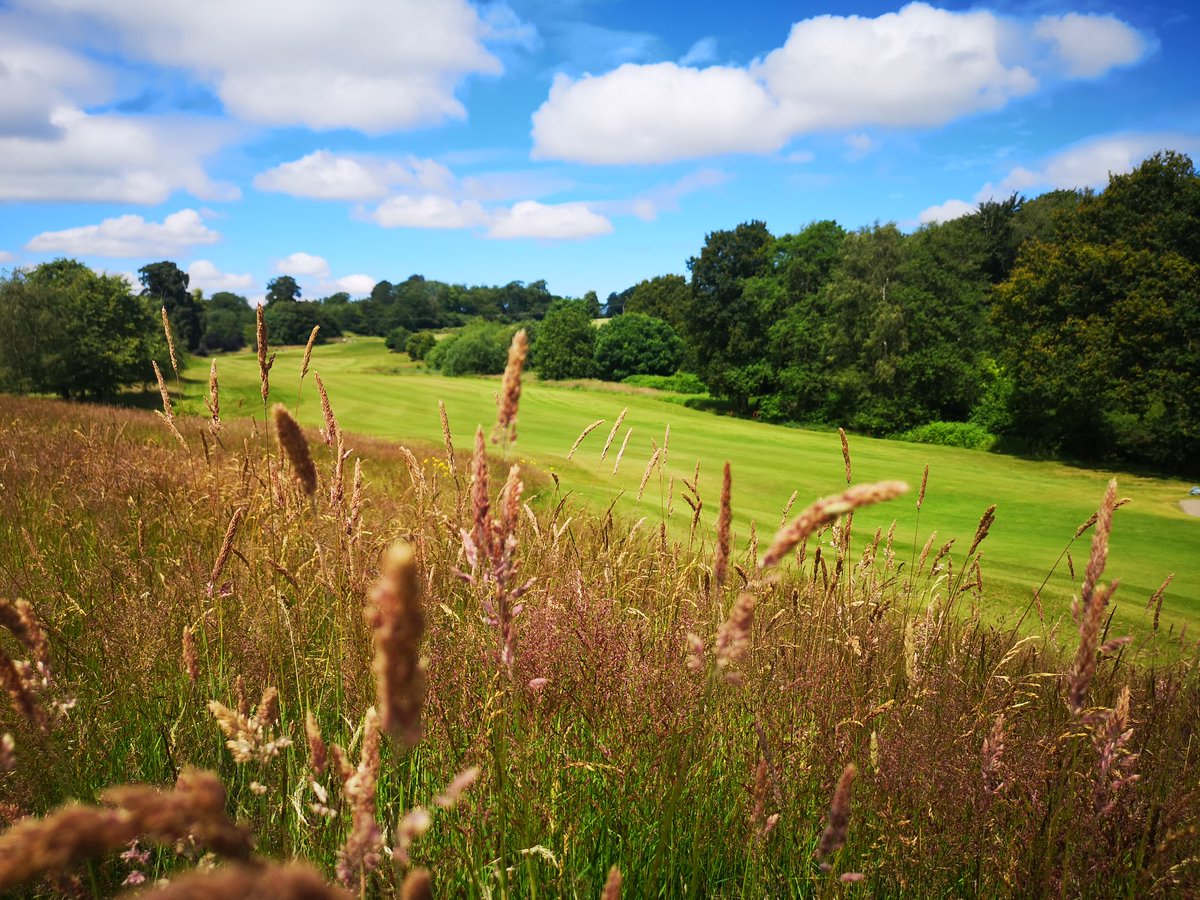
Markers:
{"x": 295, "y": 447}
{"x": 398, "y": 623}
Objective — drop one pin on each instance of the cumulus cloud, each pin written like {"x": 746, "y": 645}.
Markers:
{"x": 113, "y": 158}
{"x": 205, "y": 275}
{"x": 36, "y": 78}
{"x": 356, "y": 64}
{"x": 356, "y": 285}
{"x": 6, "y": 257}
{"x": 944, "y": 212}
{"x": 559, "y": 221}
{"x": 656, "y": 113}
{"x": 1090, "y": 45}
{"x": 858, "y": 146}
{"x": 324, "y": 175}
{"x": 129, "y": 237}
{"x": 919, "y": 67}
{"x": 303, "y": 264}
{"x": 429, "y": 211}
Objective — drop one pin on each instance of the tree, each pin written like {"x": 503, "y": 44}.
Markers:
{"x": 68, "y": 331}
{"x": 282, "y": 289}
{"x": 419, "y": 345}
{"x": 479, "y": 349}
{"x": 227, "y": 318}
{"x": 665, "y": 297}
{"x": 397, "y": 339}
{"x": 167, "y": 284}
{"x": 724, "y": 329}
{"x": 564, "y": 342}
{"x": 292, "y": 323}
{"x": 634, "y": 344}
{"x": 592, "y": 303}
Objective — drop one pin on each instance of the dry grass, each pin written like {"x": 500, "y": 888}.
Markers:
{"x": 578, "y": 735}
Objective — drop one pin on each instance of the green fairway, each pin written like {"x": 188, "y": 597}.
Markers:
{"x": 1039, "y": 504}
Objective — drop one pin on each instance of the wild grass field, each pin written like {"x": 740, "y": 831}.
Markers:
{"x": 476, "y": 681}
{"x": 1039, "y": 504}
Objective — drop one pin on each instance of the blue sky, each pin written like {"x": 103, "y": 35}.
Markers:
{"x": 591, "y": 143}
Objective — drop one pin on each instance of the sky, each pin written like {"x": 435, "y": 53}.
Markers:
{"x": 590, "y": 143}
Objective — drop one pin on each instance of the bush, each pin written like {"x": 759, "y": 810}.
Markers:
{"x": 967, "y": 435}
{"x": 420, "y": 344}
{"x": 479, "y": 349}
{"x": 679, "y": 383}
{"x": 397, "y": 339}
{"x": 637, "y": 344}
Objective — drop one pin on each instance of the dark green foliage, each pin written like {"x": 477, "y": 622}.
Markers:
{"x": 636, "y": 344}
{"x": 1099, "y": 326}
{"x": 282, "y": 289}
{"x": 167, "y": 285}
{"x": 615, "y": 304}
{"x": 68, "y": 331}
{"x": 564, "y": 342}
{"x": 419, "y": 345}
{"x": 479, "y": 349}
{"x": 228, "y": 319}
{"x": 293, "y": 322}
{"x": 665, "y": 297}
{"x": 592, "y": 304}
{"x": 397, "y": 339}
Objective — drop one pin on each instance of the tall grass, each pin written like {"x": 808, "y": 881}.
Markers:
{"x": 603, "y": 706}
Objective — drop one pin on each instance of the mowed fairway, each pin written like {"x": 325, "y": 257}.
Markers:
{"x": 1038, "y": 505}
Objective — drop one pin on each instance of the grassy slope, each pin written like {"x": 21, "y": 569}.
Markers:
{"x": 1039, "y": 504}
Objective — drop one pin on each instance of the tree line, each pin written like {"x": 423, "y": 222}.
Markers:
{"x": 1065, "y": 324}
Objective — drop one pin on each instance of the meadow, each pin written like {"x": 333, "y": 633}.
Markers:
{"x": 1039, "y": 504}
{"x": 245, "y": 660}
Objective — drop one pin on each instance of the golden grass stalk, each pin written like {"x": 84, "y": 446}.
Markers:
{"x": 724, "y": 524}
{"x": 8, "y": 753}
{"x": 226, "y": 547}
{"x": 295, "y": 447}
{"x": 480, "y": 502}
{"x": 69, "y": 835}
{"x": 264, "y": 365}
{"x": 167, "y": 414}
{"x": 398, "y": 623}
{"x": 418, "y": 885}
{"x": 654, "y": 457}
{"x": 360, "y": 855}
{"x": 981, "y": 531}
{"x": 1157, "y": 599}
{"x": 845, "y": 452}
{"x": 213, "y": 400}
{"x": 824, "y": 511}
{"x": 621, "y": 452}
{"x": 733, "y": 637}
{"x": 19, "y": 618}
{"x": 510, "y": 503}
{"x": 170, "y": 341}
{"x": 1092, "y": 601}
{"x": 329, "y": 431}
{"x": 449, "y": 798}
{"x": 834, "y": 836}
{"x": 191, "y": 662}
{"x": 582, "y": 435}
{"x": 289, "y": 881}
{"x": 318, "y": 756}
{"x": 312, "y": 339}
{"x": 510, "y": 389}
{"x": 924, "y": 483}
{"x": 15, "y": 678}
{"x": 448, "y": 442}
{"x": 612, "y": 885}
{"x": 250, "y": 738}
{"x": 613, "y": 433}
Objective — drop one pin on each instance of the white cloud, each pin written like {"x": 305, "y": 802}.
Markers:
{"x": 356, "y": 64}
{"x": 1090, "y": 162}
{"x": 919, "y": 67}
{"x": 800, "y": 156}
{"x": 944, "y": 212}
{"x": 429, "y": 211}
{"x": 113, "y": 158}
{"x": 560, "y": 221}
{"x": 129, "y": 236}
{"x": 304, "y": 265}
{"x": 665, "y": 198}
{"x": 205, "y": 275}
{"x": 703, "y": 51}
{"x": 325, "y": 175}
{"x": 1090, "y": 45}
{"x": 36, "y": 77}
{"x": 6, "y": 257}
{"x": 655, "y": 113}
{"x": 356, "y": 285}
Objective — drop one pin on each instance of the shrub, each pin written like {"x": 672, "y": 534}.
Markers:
{"x": 397, "y": 339}
{"x": 564, "y": 342}
{"x": 479, "y": 349}
{"x": 637, "y": 344}
{"x": 420, "y": 344}
{"x": 967, "y": 435}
